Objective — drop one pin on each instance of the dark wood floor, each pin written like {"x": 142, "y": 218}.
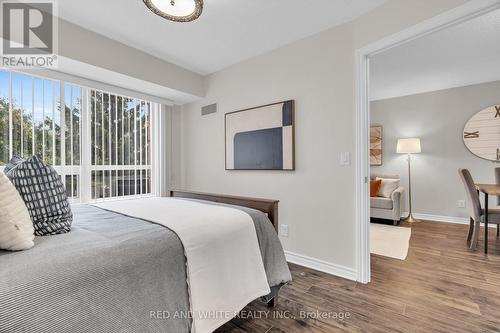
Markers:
{"x": 440, "y": 287}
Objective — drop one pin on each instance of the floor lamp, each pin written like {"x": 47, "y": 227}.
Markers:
{"x": 409, "y": 146}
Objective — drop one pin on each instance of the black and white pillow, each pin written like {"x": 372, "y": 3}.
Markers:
{"x": 14, "y": 161}
{"x": 44, "y": 194}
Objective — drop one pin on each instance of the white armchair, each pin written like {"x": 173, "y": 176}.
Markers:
{"x": 388, "y": 208}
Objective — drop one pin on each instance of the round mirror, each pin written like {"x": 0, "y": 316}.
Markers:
{"x": 482, "y": 133}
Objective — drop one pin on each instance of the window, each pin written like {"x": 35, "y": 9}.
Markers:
{"x": 62, "y": 123}
{"x": 121, "y": 146}
{"x": 32, "y": 123}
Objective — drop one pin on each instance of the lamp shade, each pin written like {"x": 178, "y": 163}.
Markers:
{"x": 409, "y": 146}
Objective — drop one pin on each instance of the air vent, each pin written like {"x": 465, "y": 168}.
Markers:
{"x": 212, "y": 108}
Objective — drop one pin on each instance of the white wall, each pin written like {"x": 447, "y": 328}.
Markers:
{"x": 90, "y": 57}
{"x": 438, "y": 118}
{"x": 88, "y": 47}
{"x": 317, "y": 200}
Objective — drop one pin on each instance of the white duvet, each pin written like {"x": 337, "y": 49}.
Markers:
{"x": 224, "y": 264}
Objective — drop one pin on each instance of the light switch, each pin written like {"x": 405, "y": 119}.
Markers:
{"x": 345, "y": 158}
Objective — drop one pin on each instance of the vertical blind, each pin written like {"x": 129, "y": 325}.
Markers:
{"x": 48, "y": 118}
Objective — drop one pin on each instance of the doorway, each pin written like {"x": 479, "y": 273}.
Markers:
{"x": 456, "y": 16}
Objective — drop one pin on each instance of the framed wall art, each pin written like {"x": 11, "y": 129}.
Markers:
{"x": 261, "y": 138}
{"x": 376, "y": 145}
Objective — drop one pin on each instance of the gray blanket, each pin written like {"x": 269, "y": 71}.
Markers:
{"x": 111, "y": 273}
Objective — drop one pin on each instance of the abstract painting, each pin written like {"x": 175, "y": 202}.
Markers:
{"x": 376, "y": 145}
{"x": 261, "y": 138}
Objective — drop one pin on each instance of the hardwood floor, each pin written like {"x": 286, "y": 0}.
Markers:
{"x": 441, "y": 287}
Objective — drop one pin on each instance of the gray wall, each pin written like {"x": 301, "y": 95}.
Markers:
{"x": 75, "y": 42}
{"x": 438, "y": 118}
{"x": 317, "y": 200}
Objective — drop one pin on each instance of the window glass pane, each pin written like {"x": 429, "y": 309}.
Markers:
{"x": 99, "y": 185}
{"x": 98, "y": 129}
{"x": 131, "y": 131}
{"x": 27, "y": 116}
{"x": 76, "y": 114}
{"x": 126, "y": 131}
{"x": 4, "y": 117}
{"x": 121, "y": 145}
{"x": 105, "y": 129}
{"x": 150, "y": 131}
{"x": 143, "y": 181}
{"x": 145, "y": 135}
{"x": 48, "y": 103}
{"x": 114, "y": 183}
{"x": 120, "y": 140}
{"x": 113, "y": 130}
{"x": 72, "y": 114}
{"x": 132, "y": 182}
{"x": 119, "y": 183}
{"x": 92, "y": 127}
{"x": 38, "y": 114}
{"x": 122, "y": 182}
{"x": 93, "y": 185}
{"x": 138, "y": 134}
{"x": 57, "y": 123}
{"x": 68, "y": 185}
{"x": 17, "y": 115}
{"x": 72, "y": 183}
{"x": 76, "y": 186}
{"x": 105, "y": 184}
{"x": 148, "y": 182}
{"x": 68, "y": 125}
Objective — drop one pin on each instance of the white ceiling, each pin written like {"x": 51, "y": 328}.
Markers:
{"x": 465, "y": 54}
{"x": 228, "y": 31}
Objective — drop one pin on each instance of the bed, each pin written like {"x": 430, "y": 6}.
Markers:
{"x": 116, "y": 272}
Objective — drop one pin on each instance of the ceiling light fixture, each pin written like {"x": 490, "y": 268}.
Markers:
{"x": 176, "y": 10}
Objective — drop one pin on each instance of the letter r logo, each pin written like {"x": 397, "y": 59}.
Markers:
{"x": 27, "y": 27}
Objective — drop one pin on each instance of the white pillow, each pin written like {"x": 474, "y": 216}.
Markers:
{"x": 387, "y": 187}
{"x": 16, "y": 228}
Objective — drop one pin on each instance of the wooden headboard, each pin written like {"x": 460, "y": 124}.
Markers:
{"x": 270, "y": 207}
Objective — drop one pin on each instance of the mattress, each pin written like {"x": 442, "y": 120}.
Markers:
{"x": 111, "y": 273}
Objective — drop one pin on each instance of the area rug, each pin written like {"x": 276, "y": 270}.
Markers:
{"x": 389, "y": 241}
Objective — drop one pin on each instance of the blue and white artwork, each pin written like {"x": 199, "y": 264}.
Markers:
{"x": 261, "y": 138}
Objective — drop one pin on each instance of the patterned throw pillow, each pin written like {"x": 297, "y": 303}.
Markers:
{"x": 44, "y": 195}
{"x": 14, "y": 161}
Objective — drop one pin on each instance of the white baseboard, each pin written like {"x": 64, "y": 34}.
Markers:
{"x": 350, "y": 273}
{"x": 441, "y": 218}
{"x": 321, "y": 265}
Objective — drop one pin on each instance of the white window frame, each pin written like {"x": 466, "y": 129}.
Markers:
{"x": 157, "y": 126}
{"x": 155, "y": 185}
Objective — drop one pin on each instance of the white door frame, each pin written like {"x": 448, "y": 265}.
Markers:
{"x": 455, "y": 16}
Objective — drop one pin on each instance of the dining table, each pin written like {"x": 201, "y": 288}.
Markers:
{"x": 487, "y": 190}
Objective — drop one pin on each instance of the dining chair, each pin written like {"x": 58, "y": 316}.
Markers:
{"x": 476, "y": 213}
{"x": 497, "y": 181}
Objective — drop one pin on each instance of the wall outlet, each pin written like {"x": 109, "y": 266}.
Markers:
{"x": 284, "y": 230}
{"x": 461, "y": 203}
